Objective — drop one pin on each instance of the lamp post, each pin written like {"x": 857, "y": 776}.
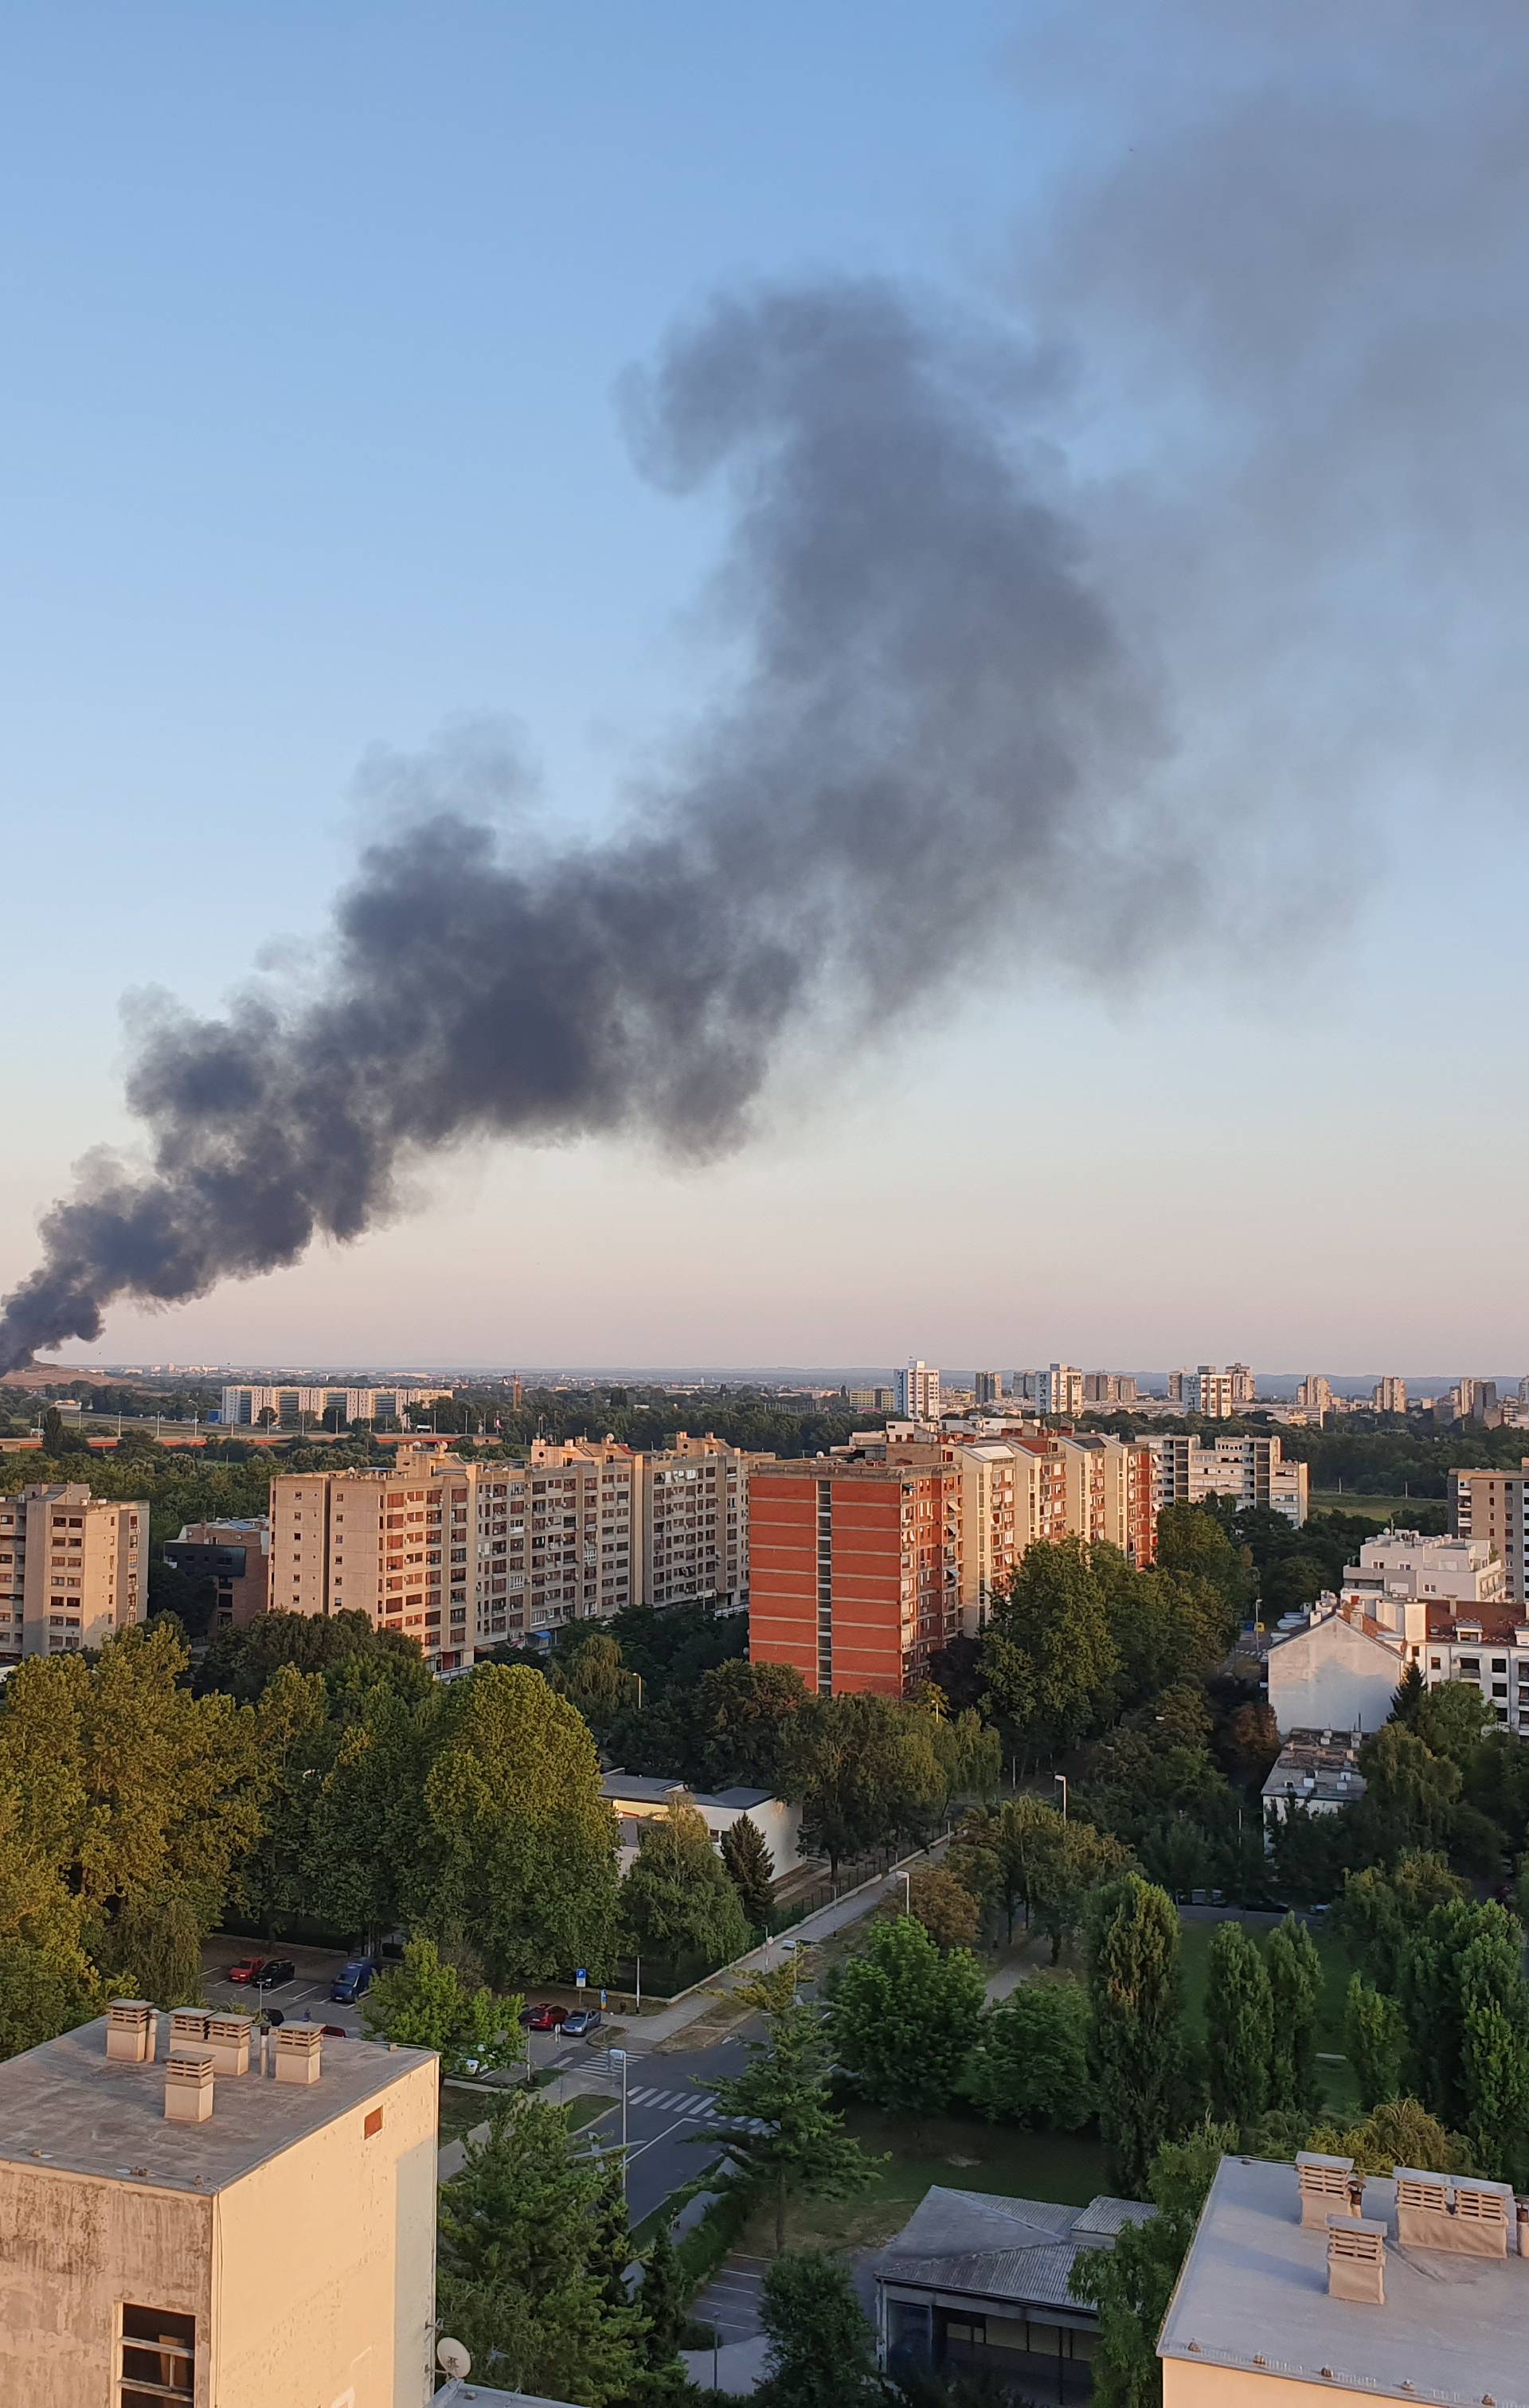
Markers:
{"x": 1063, "y": 1779}
{"x": 618, "y": 2056}
{"x": 906, "y": 1880}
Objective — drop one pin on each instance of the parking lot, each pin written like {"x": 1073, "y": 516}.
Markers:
{"x": 304, "y": 1997}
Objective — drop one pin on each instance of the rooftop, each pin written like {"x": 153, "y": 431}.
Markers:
{"x": 1254, "y": 2293}
{"x": 68, "y": 2106}
{"x": 987, "y": 2247}
{"x": 1318, "y": 1765}
{"x": 653, "y": 1789}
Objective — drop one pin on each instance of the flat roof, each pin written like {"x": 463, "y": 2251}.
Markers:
{"x": 68, "y": 2108}
{"x": 654, "y": 1789}
{"x": 1253, "y": 2296}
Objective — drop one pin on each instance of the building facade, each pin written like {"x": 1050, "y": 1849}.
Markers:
{"x": 917, "y": 1396}
{"x": 72, "y": 1569}
{"x": 195, "y": 2219}
{"x": 1061, "y": 1390}
{"x": 290, "y": 1406}
{"x": 1215, "y": 1393}
{"x": 1315, "y": 1394}
{"x": 854, "y": 1569}
{"x": 1388, "y": 1396}
{"x": 988, "y": 1387}
{"x": 1494, "y": 1506}
{"x": 236, "y": 1558}
{"x": 1250, "y": 1470}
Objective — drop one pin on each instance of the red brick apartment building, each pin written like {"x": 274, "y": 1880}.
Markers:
{"x": 854, "y": 1569}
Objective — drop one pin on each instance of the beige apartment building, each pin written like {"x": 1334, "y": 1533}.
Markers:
{"x": 1494, "y": 1506}
{"x": 191, "y": 2217}
{"x": 72, "y": 1569}
{"x": 690, "y": 1515}
{"x": 1248, "y": 1470}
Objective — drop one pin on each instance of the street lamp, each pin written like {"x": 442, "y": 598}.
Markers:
{"x": 906, "y": 1880}
{"x": 1062, "y": 1778}
{"x": 618, "y": 2056}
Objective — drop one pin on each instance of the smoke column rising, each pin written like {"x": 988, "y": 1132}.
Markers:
{"x": 933, "y": 752}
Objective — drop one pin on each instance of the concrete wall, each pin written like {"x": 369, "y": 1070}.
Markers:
{"x": 1185, "y": 2385}
{"x": 1332, "y": 1677}
{"x": 72, "y": 2249}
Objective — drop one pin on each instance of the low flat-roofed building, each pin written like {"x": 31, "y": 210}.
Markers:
{"x": 1317, "y": 1769}
{"x": 1299, "y": 2279}
{"x": 641, "y": 1798}
{"x": 182, "y": 2225}
{"x": 978, "y": 2284}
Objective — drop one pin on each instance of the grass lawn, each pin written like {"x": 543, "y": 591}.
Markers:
{"x": 1195, "y": 1965}
{"x": 1400, "y": 1510}
{"x": 959, "y": 2152}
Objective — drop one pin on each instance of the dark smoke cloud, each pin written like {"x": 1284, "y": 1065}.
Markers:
{"x": 933, "y": 752}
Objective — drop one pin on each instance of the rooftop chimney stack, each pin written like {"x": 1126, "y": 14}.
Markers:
{"x": 130, "y": 2033}
{"x": 1356, "y": 2260}
{"x": 298, "y": 2050}
{"x": 1325, "y": 2187}
{"x": 228, "y": 2040}
{"x": 188, "y": 2086}
{"x": 188, "y": 2028}
{"x": 1466, "y": 2215}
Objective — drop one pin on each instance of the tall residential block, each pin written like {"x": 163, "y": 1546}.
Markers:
{"x": 1244, "y": 1385}
{"x": 1494, "y": 1506}
{"x": 690, "y": 1515}
{"x": 1388, "y": 1396}
{"x": 236, "y": 1558}
{"x": 1061, "y": 1390}
{"x": 1249, "y": 1470}
{"x": 918, "y": 1393}
{"x": 854, "y": 1569}
{"x": 72, "y": 1569}
{"x": 292, "y": 1406}
{"x": 1315, "y": 1394}
{"x": 1215, "y": 1393}
{"x": 988, "y": 1387}
{"x": 194, "y": 2218}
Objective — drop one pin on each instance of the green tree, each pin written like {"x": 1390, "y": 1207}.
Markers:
{"x": 822, "y": 2352}
{"x": 1071, "y": 1876}
{"x": 520, "y": 1845}
{"x": 1022, "y": 1840}
{"x": 1452, "y": 1720}
{"x": 1295, "y": 1986}
{"x": 1494, "y": 2044}
{"x": 943, "y": 1906}
{"x": 750, "y": 1868}
{"x": 1412, "y": 1689}
{"x": 1136, "y": 2049}
{"x": 666, "y": 2312}
{"x": 594, "y": 1680}
{"x": 1049, "y": 1660}
{"x": 518, "y": 2281}
{"x": 1130, "y": 2285}
{"x": 786, "y": 2132}
{"x": 1240, "y": 2028}
{"x": 1195, "y": 1540}
{"x": 1410, "y": 1797}
{"x": 1375, "y": 2038}
{"x": 1380, "y": 1909}
{"x": 677, "y": 1901}
{"x": 742, "y": 1711}
{"x": 1031, "y": 2062}
{"x": 865, "y": 1770}
{"x": 1396, "y": 2133}
{"x": 425, "y": 2004}
{"x": 903, "y": 2018}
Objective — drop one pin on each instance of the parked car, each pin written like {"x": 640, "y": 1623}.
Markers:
{"x": 249, "y": 1968}
{"x": 275, "y": 1974}
{"x": 545, "y": 2019}
{"x": 336, "y": 2031}
{"x": 579, "y": 2024}
{"x": 352, "y": 1981}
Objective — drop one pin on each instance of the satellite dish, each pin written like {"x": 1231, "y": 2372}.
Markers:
{"x": 452, "y": 2359}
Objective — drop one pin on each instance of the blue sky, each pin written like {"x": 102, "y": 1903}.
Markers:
{"x": 315, "y": 316}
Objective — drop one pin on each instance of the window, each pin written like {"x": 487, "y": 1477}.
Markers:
{"x": 158, "y": 2358}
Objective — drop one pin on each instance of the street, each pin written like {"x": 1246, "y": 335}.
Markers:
{"x": 670, "y": 2102}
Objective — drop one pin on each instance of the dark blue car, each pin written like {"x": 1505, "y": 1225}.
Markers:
{"x": 352, "y": 1981}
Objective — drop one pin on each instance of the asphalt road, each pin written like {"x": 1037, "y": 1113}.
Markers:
{"x": 670, "y": 2114}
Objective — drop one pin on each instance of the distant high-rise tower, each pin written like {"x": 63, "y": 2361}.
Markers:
{"x": 1390, "y": 1395}
{"x": 990, "y": 1387}
{"x": 918, "y": 1393}
{"x": 1244, "y": 1385}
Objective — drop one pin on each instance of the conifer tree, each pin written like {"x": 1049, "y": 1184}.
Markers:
{"x": 746, "y": 1853}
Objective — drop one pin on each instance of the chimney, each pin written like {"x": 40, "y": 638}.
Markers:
{"x": 228, "y": 2041}
{"x": 297, "y": 2052}
{"x": 1356, "y": 2260}
{"x": 188, "y": 2086}
{"x": 131, "y": 2031}
{"x": 1325, "y": 2186}
{"x": 188, "y": 2028}
{"x": 1467, "y": 2217}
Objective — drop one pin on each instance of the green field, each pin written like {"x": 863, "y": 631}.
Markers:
{"x": 1194, "y": 1963}
{"x": 1401, "y": 1510}
{"x": 961, "y": 2152}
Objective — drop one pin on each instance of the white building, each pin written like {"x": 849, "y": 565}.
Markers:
{"x": 1438, "y": 1603}
{"x": 290, "y": 1406}
{"x": 1250, "y": 1470}
{"x": 1317, "y": 1772}
{"x": 640, "y": 1798}
{"x": 1315, "y": 1394}
{"x": 1215, "y": 1393}
{"x": 1061, "y": 1389}
{"x": 1388, "y": 1396}
{"x": 918, "y": 1393}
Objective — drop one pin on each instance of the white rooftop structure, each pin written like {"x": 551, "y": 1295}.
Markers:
{"x": 1407, "y": 2287}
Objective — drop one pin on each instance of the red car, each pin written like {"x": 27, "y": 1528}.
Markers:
{"x": 249, "y": 1968}
{"x": 545, "y": 2019}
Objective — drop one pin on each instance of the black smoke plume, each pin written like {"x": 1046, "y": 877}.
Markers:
{"x": 932, "y": 751}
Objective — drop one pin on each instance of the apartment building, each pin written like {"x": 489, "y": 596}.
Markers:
{"x": 1494, "y": 1506}
{"x": 1012, "y": 1493}
{"x": 1107, "y": 1388}
{"x": 458, "y": 1555}
{"x": 1315, "y": 1394}
{"x": 1214, "y": 1394}
{"x": 72, "y": 1569}
{"x": 855, "y": 1568}
{"x": 988, "y": 1387}
{"x": 1109, "y": 1484}
{"x": 199, "y": 2217}
{"x": 917, "y": 1396}
{"x": 1060, "y": 1390}
{"x": 294, "y": 1407}
{"x": 1250, "y": 1470}
{"x": 236, "y": 1558}
{"x": 1440, "y": 1604}
{"x": 1316, "y": 2280}
{"x": 1244, "y": 1385}
{"x": 690, "y": 1516}
{"x": 1388, "y": 1396}
{"x": 872, "y": 1401}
